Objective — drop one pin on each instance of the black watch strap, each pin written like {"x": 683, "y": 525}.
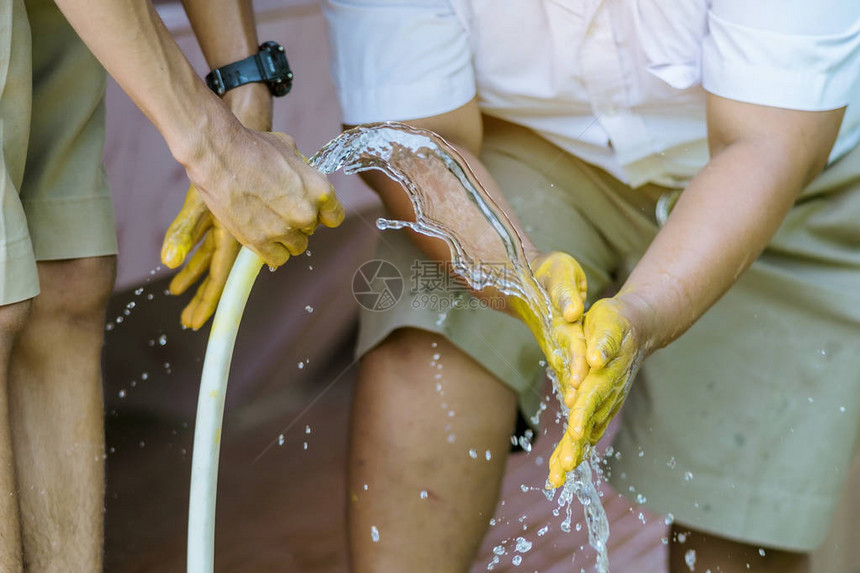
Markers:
{"x": 269, "y": 66}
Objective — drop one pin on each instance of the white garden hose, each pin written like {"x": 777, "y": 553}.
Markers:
{"x": 210, "y": 411}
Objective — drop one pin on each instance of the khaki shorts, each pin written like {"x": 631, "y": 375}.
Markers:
{"x": 745, "y": 426}
{"x": 53, "y": 191}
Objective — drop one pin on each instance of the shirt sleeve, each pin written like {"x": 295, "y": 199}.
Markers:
{"x": 793, "y": 54}
{"x": 398, "y": 59}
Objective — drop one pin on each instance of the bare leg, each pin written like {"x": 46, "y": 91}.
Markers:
{"x": 720, "y": 555}
{"x": 429, "y": 499}
{"x": 13, "y": 317}
{"x": 57, "y": 422}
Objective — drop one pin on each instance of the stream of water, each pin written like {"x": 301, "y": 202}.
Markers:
{"x": 418, "y": 159}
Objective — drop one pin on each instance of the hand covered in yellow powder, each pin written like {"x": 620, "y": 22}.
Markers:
{"x": 564, "y": 346}
{"x": 215, "y": 256}
{"x": 614, "y": 350}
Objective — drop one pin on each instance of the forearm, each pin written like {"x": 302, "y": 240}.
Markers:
{"x": 761, "y": 160}
{"x": 226, "y": 31}
{"x": 135, "y": 47}
{"x": 722, "y": 222}
{"x": 452, "y": 207}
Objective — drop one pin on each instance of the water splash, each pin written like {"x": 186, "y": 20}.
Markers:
{"x": 420, "y": 160}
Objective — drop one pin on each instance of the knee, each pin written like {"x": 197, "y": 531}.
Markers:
{"x": 76, "y": 290}
{"x": 402, "y": 347}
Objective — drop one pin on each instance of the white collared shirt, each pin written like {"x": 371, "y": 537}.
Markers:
{"x": 618, "y": 83}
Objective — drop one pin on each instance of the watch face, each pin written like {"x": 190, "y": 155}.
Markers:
{"x": 276, "y": 68}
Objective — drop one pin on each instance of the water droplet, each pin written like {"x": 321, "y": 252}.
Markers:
{"x": 281, "y": 440}
{"x": 109, "y": 326}
{"x": 130, "y": 305}
{"x": 150, "y": 296}
{"x": 690, "y": 559}
{"x": 437, "y": 356}
{"x": 488, "y": 455}
{"x": 138, "y": 291}
{"x": 301, "y": 365}
{"x": 542, "y": 531}
{"x": 841, "y": 408}
{"x": 144, "y": 376}
{"x": 451, "y": 438}
{"x": 309, "y": 309}
{"x": 142, "y": 443}
{"x": 162, "y": 340}
{"x": 670, "y": 519}
{"x": 524, "y": 488}
{"x": 305, "y": 446}
{"x": 671, "y": 463}
{"x": 688, "y": 476}
{"x": 272, "y": 269}
{"x": 374, "y": 534}
{"x": 761, "y": 552}
{"x": 473, "y": 453}
{"x": 499, "y": 550}
{"x": 308, "y": 253}
{"x": 423, "y": 494}
{"x": 121, "y": 393}
{"x": 517, "y": 560}
{"x": 640, "y": 499}
{"x": 307, "y": 429}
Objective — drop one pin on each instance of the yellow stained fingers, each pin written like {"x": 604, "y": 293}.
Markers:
{"x": 186, "y": 230}
{"x": 274, "y": 254}
{"x": 295, "y": 241}
{"x": 331, "y": 212}
{"x": 195, "y": 268}
{"x": 613, "y": 354}
{"x": 565, "y": 282}
{"x": 205, "y": 300}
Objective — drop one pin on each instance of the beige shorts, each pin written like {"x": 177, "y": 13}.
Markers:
{"x": 744, "y": 427}
{"x": 54, "y": 194}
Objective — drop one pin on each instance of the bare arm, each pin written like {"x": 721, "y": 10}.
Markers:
{"x": 255, "y": 183}
{"x": 761, "y": 159}
{"x": 227, "y": 32}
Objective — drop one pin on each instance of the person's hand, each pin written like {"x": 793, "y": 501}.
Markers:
{"x": 564, "y": 345}
{"x": 261, "y": 189}
{"x": 615, "y": 348}
{"x": 216, "y": 255}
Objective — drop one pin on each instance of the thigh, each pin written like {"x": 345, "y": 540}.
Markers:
{"x": 65, "y": 192}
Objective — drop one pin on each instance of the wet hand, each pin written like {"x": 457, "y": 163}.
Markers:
{"x": 615, "y": 348}
{"x": 263, "y": 192}
{"x": 213, "y": 259}
{"x": 564, "y": 345}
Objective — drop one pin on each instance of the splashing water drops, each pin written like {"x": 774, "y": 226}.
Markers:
{"x": 413, "y": 158}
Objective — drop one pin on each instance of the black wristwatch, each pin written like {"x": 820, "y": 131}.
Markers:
{"x": 269, "y": 66}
